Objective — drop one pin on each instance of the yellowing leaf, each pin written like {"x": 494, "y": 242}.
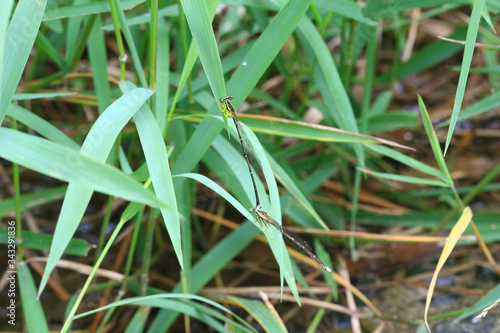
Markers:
{"x": 453, "y": 238}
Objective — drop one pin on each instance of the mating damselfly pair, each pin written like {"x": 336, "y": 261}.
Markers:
{"x": 262, "y": 217}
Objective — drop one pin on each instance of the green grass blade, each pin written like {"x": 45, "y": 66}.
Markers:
{"x": 429, "y": 56}
{"x": 244, "y": 80}
{"x": 295, "y": 191}
{"x": 392, "y": 121}
{"x": 221, "y": 192}
{"x": 20, "y": 38}
{"x": 87, "y": 9}
{"x": 207, "y": 267}
{"x": 406, "y": 179}
{"x": 97, "y": 146}
{"x": 277, "y": 244}
{"x": 41, "y": 126}
{"x": 32, "y": 200}
{"x": 470, "y": 43}
{"x": 155, "y": 152}
{"x": 302, "y": 130}
{"x": 34, "y": 317}
{"x": 96, "y": 48}
{"x": 68, "y": 165}
{"x": 484, "y": 105}
{"x": 331, "y": 85}
{"x": 407, "y": 160}
{"x": 161, "y": 300}
{"x": 345, "y": 8}
{"x": 48, "y": 47}
{"x": 74, "y": 33}
{"x": 134, "y": 53}
{"x": 270, "y": 321}
{"x": 201, "y": 28}
{"x": 436, "y": 148}
{"x": 39, "y": 241}
{"x": 139, "y": 320}
{"x": 265, "y": 49}
{"x": 487, "y": 300}
{"x": 162, "y": 75}
{"x": 23, "y": 97}
{"x": 4, "y": 22}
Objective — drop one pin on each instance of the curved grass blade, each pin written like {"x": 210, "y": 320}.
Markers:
{"x": 41, "y": 126}
{"x": 151, "y": 300}
{"x": 68, "y": 165}
{"x": 97, "y": 146}
{"x": 307, "y": 131}
{"x": 294, "y": 190}
{"x": 411, "y": 162}
{"x": 453, "y": 238}
{"x": 156, "y": 156}
{"x": 485, "y": 302}
{"x": 268, "y": 320}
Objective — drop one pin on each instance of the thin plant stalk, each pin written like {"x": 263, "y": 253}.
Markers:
{"x": 110, "y": 242}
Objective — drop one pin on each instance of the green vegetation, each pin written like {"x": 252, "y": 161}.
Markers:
{"x": 111, "y": 121}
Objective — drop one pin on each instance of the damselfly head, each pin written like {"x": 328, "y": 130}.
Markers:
{"x": 224, "y": 99}
{"x": 256, "y": 209}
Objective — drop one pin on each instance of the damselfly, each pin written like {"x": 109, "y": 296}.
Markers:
{"x": 266, "y": 220}
{"x": 246, "y": 146}
{"x": 263, "y": 217}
